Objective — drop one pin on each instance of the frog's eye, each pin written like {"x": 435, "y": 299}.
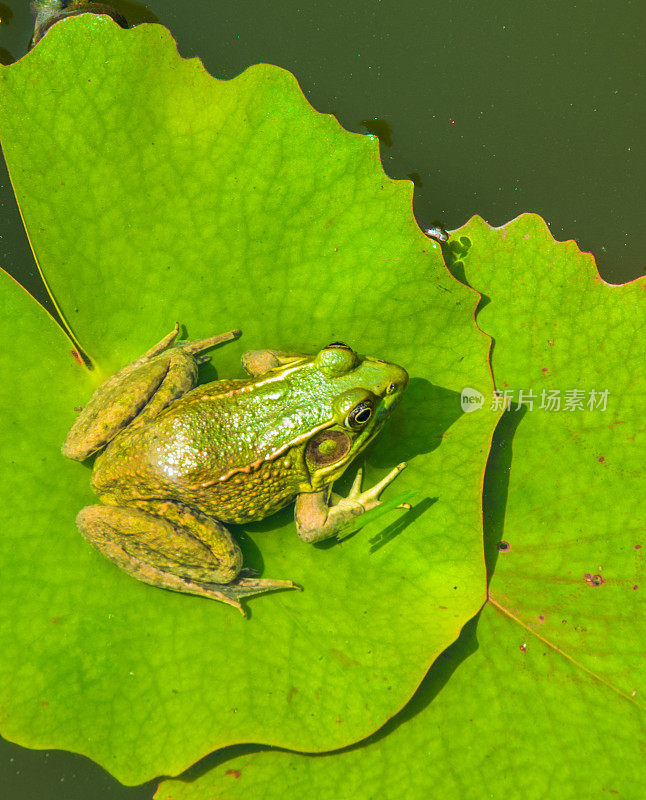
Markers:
{"x": 353, "y": 408}
{"x": 391, "y": 388}
{"x": 359, "y": 415}
{"x": 337, "y": 359}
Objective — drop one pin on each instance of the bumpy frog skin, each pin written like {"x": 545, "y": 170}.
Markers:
{"x": 179, "y": 461}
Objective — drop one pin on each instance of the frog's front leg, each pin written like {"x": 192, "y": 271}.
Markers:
{"x": 316, "y": 519}
{"x": 140, "y": 390}
{"x": 175, "y": 547}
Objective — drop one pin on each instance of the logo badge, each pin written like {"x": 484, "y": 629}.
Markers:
{"x": 471, "y": 400}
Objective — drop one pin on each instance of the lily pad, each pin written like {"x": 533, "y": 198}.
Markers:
{"x": 542, "y": 695}
{"x": 151, "y": 193}
{"x": 572, "y": 521}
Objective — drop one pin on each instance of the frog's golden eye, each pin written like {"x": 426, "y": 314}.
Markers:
{"x": 360, "y": 414}
{"x": 353, "y": 408}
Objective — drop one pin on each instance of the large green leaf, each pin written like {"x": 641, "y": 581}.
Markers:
{"x": 573, "y": 516}
{"x": 152, "y": 192}
{"x": 543, "y": 697}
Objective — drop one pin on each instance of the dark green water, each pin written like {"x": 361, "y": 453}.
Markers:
{"x": 495, "y": 108}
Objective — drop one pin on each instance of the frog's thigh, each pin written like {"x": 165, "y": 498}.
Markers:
{"x": 140, "y": 390}
{"x": 179, "y": 553}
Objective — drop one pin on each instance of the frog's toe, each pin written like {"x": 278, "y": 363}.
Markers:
{"x": 246, "y": 587}
{"x": 370, "y": 497}
{"x": 194, "y": 348}
{"x": 233, "y": 592}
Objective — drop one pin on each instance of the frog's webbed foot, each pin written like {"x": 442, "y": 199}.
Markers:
{"x": 245, "y": 587}
{"x": 230, "y": 593}
{"x": 174, "y": 547}
{"x": 316, "y": 520}
{"x": 139, "y": 390}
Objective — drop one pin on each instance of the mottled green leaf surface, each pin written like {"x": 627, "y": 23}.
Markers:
{"x": 542, "y": 695}
{"x": 152, "y": 192}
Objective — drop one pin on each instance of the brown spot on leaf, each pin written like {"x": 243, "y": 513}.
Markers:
{"x": 343, "y": 659}
{"x": 601, "y": 459}
{"x": 77, "y": 356}
{"x": 593, "y": 580}
{"x": 503, "y": 547}
{"x": 638, "y": 547}
{"x": 235, "y": 772}
{"x": 541, "y": 618}
{"x": 290, "y": 694}
{"x": 523, "y": 647}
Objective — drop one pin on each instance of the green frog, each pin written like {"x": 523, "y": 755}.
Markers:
{"x": 179, "y": 462}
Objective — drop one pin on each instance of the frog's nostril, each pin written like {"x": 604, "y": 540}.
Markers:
{"x": 397, "y": 385}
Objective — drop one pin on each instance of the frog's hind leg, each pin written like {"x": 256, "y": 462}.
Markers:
{"x": 193, "y": 348}
{"x": 140, "y": 390}
{"x": 176, "y": 548}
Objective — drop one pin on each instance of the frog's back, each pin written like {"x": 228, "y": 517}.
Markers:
{"x": 211, "y": 449}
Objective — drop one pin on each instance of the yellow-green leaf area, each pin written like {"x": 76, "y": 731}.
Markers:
{"x": 542, "y": 694}
{"x": 151, "y": 193}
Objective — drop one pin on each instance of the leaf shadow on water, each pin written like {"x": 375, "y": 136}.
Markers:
{"x": 134, "y": 12}
{"x": 496, "y": 485}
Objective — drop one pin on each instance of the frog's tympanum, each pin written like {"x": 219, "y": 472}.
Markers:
{"x": 180, "y": 462}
